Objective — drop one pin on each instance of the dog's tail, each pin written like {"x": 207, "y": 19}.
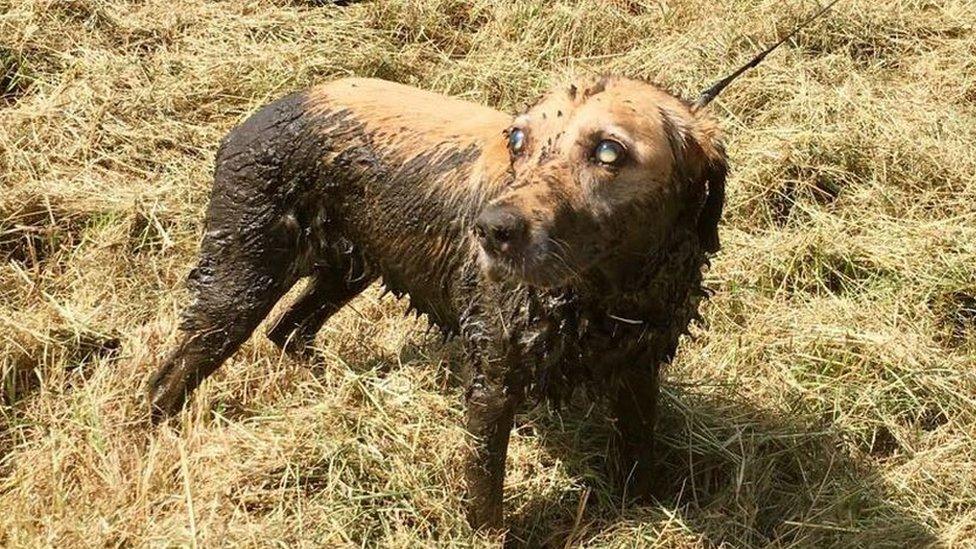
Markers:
{"x": 711, "y": 93}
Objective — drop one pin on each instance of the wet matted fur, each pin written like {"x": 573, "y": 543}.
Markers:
{"x": 564, "y": 246}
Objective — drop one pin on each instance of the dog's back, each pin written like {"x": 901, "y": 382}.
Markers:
{"x": 416, "y": 169}
{"x": 345, "y": 182}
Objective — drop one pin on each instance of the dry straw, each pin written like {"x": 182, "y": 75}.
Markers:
{"x": 831, "y": 400}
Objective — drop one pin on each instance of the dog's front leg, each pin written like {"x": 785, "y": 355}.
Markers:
{"x": 491, "y": 405}
{"x": 636, "y": 410}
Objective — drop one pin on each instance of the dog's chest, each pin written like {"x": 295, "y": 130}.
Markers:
{"x": 565, "y": 344}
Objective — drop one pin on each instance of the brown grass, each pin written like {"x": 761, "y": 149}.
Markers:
{"x": 831, "y": 401}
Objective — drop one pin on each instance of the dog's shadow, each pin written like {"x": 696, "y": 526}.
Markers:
{"x": 730, "y": 475}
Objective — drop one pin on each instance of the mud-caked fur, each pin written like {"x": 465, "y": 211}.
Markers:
{"x": 556, "y": 269}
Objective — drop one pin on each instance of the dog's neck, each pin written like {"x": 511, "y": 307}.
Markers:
{"x": 644, "y": 287}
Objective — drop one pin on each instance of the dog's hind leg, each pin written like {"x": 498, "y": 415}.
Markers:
{"x": 247, "y": 262}
{"x": 266, "y": 172}
{"x": 325, "y": 293}
{"x": 244, "y": 268}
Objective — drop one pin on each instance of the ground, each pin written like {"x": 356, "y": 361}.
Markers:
{"x": 829, "y": 398}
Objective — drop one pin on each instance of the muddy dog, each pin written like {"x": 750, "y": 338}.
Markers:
{"x": 564, "y": 247}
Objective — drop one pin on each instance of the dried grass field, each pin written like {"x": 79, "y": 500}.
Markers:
{"x": 828, "y": 401}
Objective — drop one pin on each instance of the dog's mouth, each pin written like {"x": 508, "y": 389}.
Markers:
{"x": 539, "y": 263}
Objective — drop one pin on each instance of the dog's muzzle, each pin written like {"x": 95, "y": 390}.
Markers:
{"x": 502, "y": 232}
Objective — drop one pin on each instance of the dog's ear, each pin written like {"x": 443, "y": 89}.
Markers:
{"x": 715, "y": 169}
{"x": 699, "y": 159}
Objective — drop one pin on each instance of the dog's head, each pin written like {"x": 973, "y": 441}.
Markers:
{"x": 602, "y": 170}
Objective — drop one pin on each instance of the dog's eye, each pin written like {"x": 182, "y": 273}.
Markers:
{"x": 608, "y": 152}
{"x": 516, "y": 140}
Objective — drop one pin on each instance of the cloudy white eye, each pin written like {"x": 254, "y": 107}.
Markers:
{"x": 608, "y": 152}
{"x": 516, "y": 140}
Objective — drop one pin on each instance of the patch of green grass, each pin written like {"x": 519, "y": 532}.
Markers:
{"x": 14, "y": 75}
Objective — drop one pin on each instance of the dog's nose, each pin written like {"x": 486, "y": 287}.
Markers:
{"x": 500, "y": 229}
